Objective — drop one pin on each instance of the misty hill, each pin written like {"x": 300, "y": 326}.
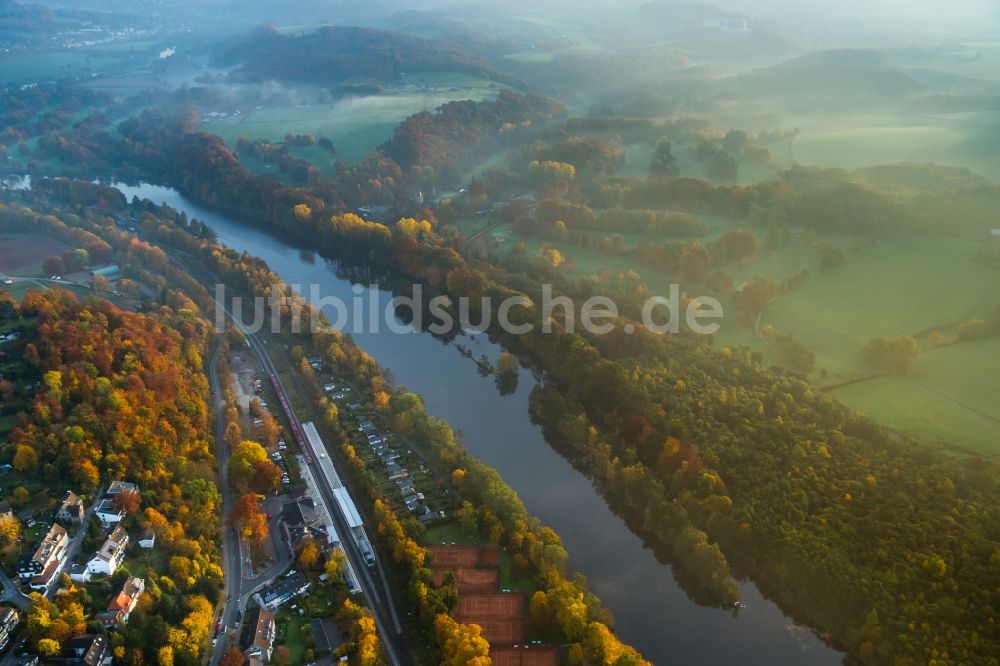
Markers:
{"x": 336, "y": 54}
{"x": 714, "y": 34}
{"x": 825, "y": 73}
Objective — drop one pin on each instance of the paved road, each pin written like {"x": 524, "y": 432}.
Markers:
{"x": 232, "y": 567}
{"x": 379, "y": 600}
{"x": 282, "y": 551}
{"x": 73, "y": 550}
{"x": 238, "y": 587}
{"x": 11, "y": 594}
{"x": 382, "y": 607}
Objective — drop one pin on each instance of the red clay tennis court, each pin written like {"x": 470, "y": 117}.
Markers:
{"x": 532, "y": 656}
{"x": 497, "y": 631}
{"x": 491, "y": 605}
{"x": 454, "y": 557}
{"x": 471, "y": 581}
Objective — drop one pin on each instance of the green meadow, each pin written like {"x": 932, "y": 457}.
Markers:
{"x": 951, "y": 397}
{"x": 860, "y": 146}
{"x": 905, "y": 285}
{"x": 354, "y": 125}
{"x": 531, "y": 55}
{"x": 902, "y": 285}
{"x": 37, "y": 67}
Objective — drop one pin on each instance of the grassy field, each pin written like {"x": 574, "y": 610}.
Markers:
{"x": 531, "y": 55}
{"x": 950, "y": 397}
{"x": 37, "y": 67}
{"x": 21, "y": 254}
{"x": 903, "y": 285}
{"x": 859, "y": 146}
{"x": 22, "y": 287}
{"x": 291, "y": 635}
{"x": 354, "y": 125}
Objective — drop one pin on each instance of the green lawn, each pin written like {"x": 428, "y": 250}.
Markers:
{"x": 531, "y": 55}
{"x": 22, "y": 287}
{"x": 142, "y": 561}
{"x": 903, "y": 286}
{"x": 451, "y": 532}
{"x": 292, "y": 635}
{"x": 858, "y": 146}
{"x": 354, "y": 125}
{"x": 951, "y": 396}
{"x": 37, "y": 67}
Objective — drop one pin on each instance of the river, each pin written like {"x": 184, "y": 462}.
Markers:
{"x": 651, "y": 610}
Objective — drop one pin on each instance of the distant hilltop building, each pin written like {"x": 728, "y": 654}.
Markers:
{"x": 728, "y": 25}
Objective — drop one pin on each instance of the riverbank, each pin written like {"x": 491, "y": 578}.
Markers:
{"x": 652, "y": 611}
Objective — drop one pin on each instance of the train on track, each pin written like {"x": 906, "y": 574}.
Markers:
{"x": 293, "y": 423}
{"x": 312, "y": 448}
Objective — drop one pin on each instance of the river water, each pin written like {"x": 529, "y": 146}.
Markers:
{"x": 651, "y": 610}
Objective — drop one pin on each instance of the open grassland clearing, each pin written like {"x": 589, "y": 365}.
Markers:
{"x": 924, "y": 139}
{"x": 23, "y": 68}
{"x": 951, "y": 397}
{"x": 22, "y": 254}
{"x": 903, "y": 285}
{"x": 532, "y": 56}
{"x": 355, "y": 125}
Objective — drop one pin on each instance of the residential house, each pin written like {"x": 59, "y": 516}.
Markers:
{"x": 27, "y": 516}
{"x": 8, "y": 622}
{"x": 106, "y": 509}
{"x": 107, "y": 512}
{"x": 5, "y": 510}
{"x": 263, "y": 638}
{"x": 106, "y": 560}
{"x": 123, "y": 604}
{"x": 90, "y": 650}
{"x": 79, "y": 573}
{"x": 301, "y": 520}
{"x": 280, "y": 591}
{"x": 148, "y": 538}
{"x": 118, "y": 487}
{"x": 71, "y": 510}
{"x": 405, "y": 486}
{"x": 44, "y": 565}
